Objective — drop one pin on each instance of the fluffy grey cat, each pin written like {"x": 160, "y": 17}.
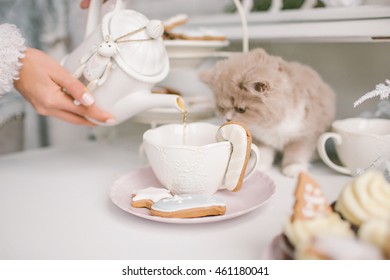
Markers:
{"x": 286, "y": 105}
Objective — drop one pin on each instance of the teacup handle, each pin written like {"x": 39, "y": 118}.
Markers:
{"x": 323, "y": 154}
{"x": 256, "y": 157}
{"x": 234, "y": 183}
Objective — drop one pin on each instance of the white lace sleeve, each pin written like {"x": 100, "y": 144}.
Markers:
{"x": 11, "y": 50}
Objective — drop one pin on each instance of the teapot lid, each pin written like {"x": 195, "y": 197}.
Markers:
{"x": 141, "y": 51}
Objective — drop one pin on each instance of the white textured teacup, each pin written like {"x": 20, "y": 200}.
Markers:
{"x": 199, "y": 165}
{"x": 359, "y": 142}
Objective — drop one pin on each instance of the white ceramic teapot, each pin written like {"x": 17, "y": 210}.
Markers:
{"x": 120, "y": 61}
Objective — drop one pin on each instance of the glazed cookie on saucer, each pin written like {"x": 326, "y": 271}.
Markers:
{"x": 188, "y": 206}
{"x": 144, "y": 198}
{"x": 240, "y": 138}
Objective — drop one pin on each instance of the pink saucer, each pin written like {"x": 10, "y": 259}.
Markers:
{"x": 255, "y": 192}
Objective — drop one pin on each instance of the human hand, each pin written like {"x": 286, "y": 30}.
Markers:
{"x": 43, "y": 83}
{"x": 84, "y": 4}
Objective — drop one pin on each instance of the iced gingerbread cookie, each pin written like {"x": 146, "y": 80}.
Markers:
{"x": 241, "y": 140}
{"x": 188, "y": 206}
{"x": 310, "y": 201}
{"x": 198, "y": 34}
{"x": 175, "y": 21}
{"x": 165, "y": 90}
{"x": 144, "y": 198}
{"x": 174, "y": 29}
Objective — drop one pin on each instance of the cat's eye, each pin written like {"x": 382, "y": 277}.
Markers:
{"x": 220, "y": 108}
{"x": 240, "y": 110}
{"x": 260, "y": 87}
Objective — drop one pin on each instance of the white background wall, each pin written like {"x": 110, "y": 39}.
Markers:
{"x": 352, "y": 69}
{"x": 166, "y": 8}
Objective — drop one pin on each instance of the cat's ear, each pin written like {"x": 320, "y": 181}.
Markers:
{"x": 207, "y": 76}
{"x": 259, "y": 87}
{"x": 282, "y": 65}
{"x": 260, "y": 54}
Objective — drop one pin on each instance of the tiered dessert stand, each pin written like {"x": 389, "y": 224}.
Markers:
{"x": 186, "y": 57}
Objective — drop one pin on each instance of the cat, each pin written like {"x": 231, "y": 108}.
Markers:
{"x": 285, "y": 105}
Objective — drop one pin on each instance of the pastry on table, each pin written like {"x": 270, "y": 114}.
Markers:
{"x": 322, "y": 247}
{"x": 365, "y": 198}
{"x": 312, "y": 216}
{"x": 377, "y": 232}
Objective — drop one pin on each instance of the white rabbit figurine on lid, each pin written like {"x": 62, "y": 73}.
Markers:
{"x": 121, "y": 60}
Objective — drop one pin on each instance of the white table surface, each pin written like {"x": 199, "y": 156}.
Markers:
{"x": 54, "y": 204}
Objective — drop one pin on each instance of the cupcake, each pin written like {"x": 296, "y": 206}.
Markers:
{"x": 322, "y": 247}
{"x": 365, "y": 198}
{"x": 377, "y": 232}
{"x": 312, "y": 216}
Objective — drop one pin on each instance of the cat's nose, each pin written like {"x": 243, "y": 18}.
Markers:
{"x": 228, "y": 116}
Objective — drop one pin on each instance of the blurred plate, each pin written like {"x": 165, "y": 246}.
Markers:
{"x": 191, "y": 53}
{"x": 196, "y": 44}
{"x": 198, "y": 108}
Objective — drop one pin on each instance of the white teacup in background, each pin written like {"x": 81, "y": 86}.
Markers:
{"x": 359, "y": 142}
{"x": 199, "y": 165}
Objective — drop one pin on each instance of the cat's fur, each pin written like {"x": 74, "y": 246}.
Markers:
{"x": 286, "y": 105}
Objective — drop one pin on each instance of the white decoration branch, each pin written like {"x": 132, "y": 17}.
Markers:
{"x": 382, "y": 90}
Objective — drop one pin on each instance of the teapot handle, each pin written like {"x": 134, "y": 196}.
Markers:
{"x": 94, "y": 13}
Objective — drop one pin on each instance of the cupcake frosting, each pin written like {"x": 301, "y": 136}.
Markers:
{"x": 337, "y": 248}
{"x": 365, "y": 198}
{"x": 300, "y": 231}
{"x": 377, "y": 232}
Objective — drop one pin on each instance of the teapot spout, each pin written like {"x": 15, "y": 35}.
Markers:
{"x": 166, "y": 100}
{"x": 138, "y": 102}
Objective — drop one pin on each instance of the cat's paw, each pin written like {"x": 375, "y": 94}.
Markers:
{"x": 267, "y": 156}
{"x": 292, "y": 170}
